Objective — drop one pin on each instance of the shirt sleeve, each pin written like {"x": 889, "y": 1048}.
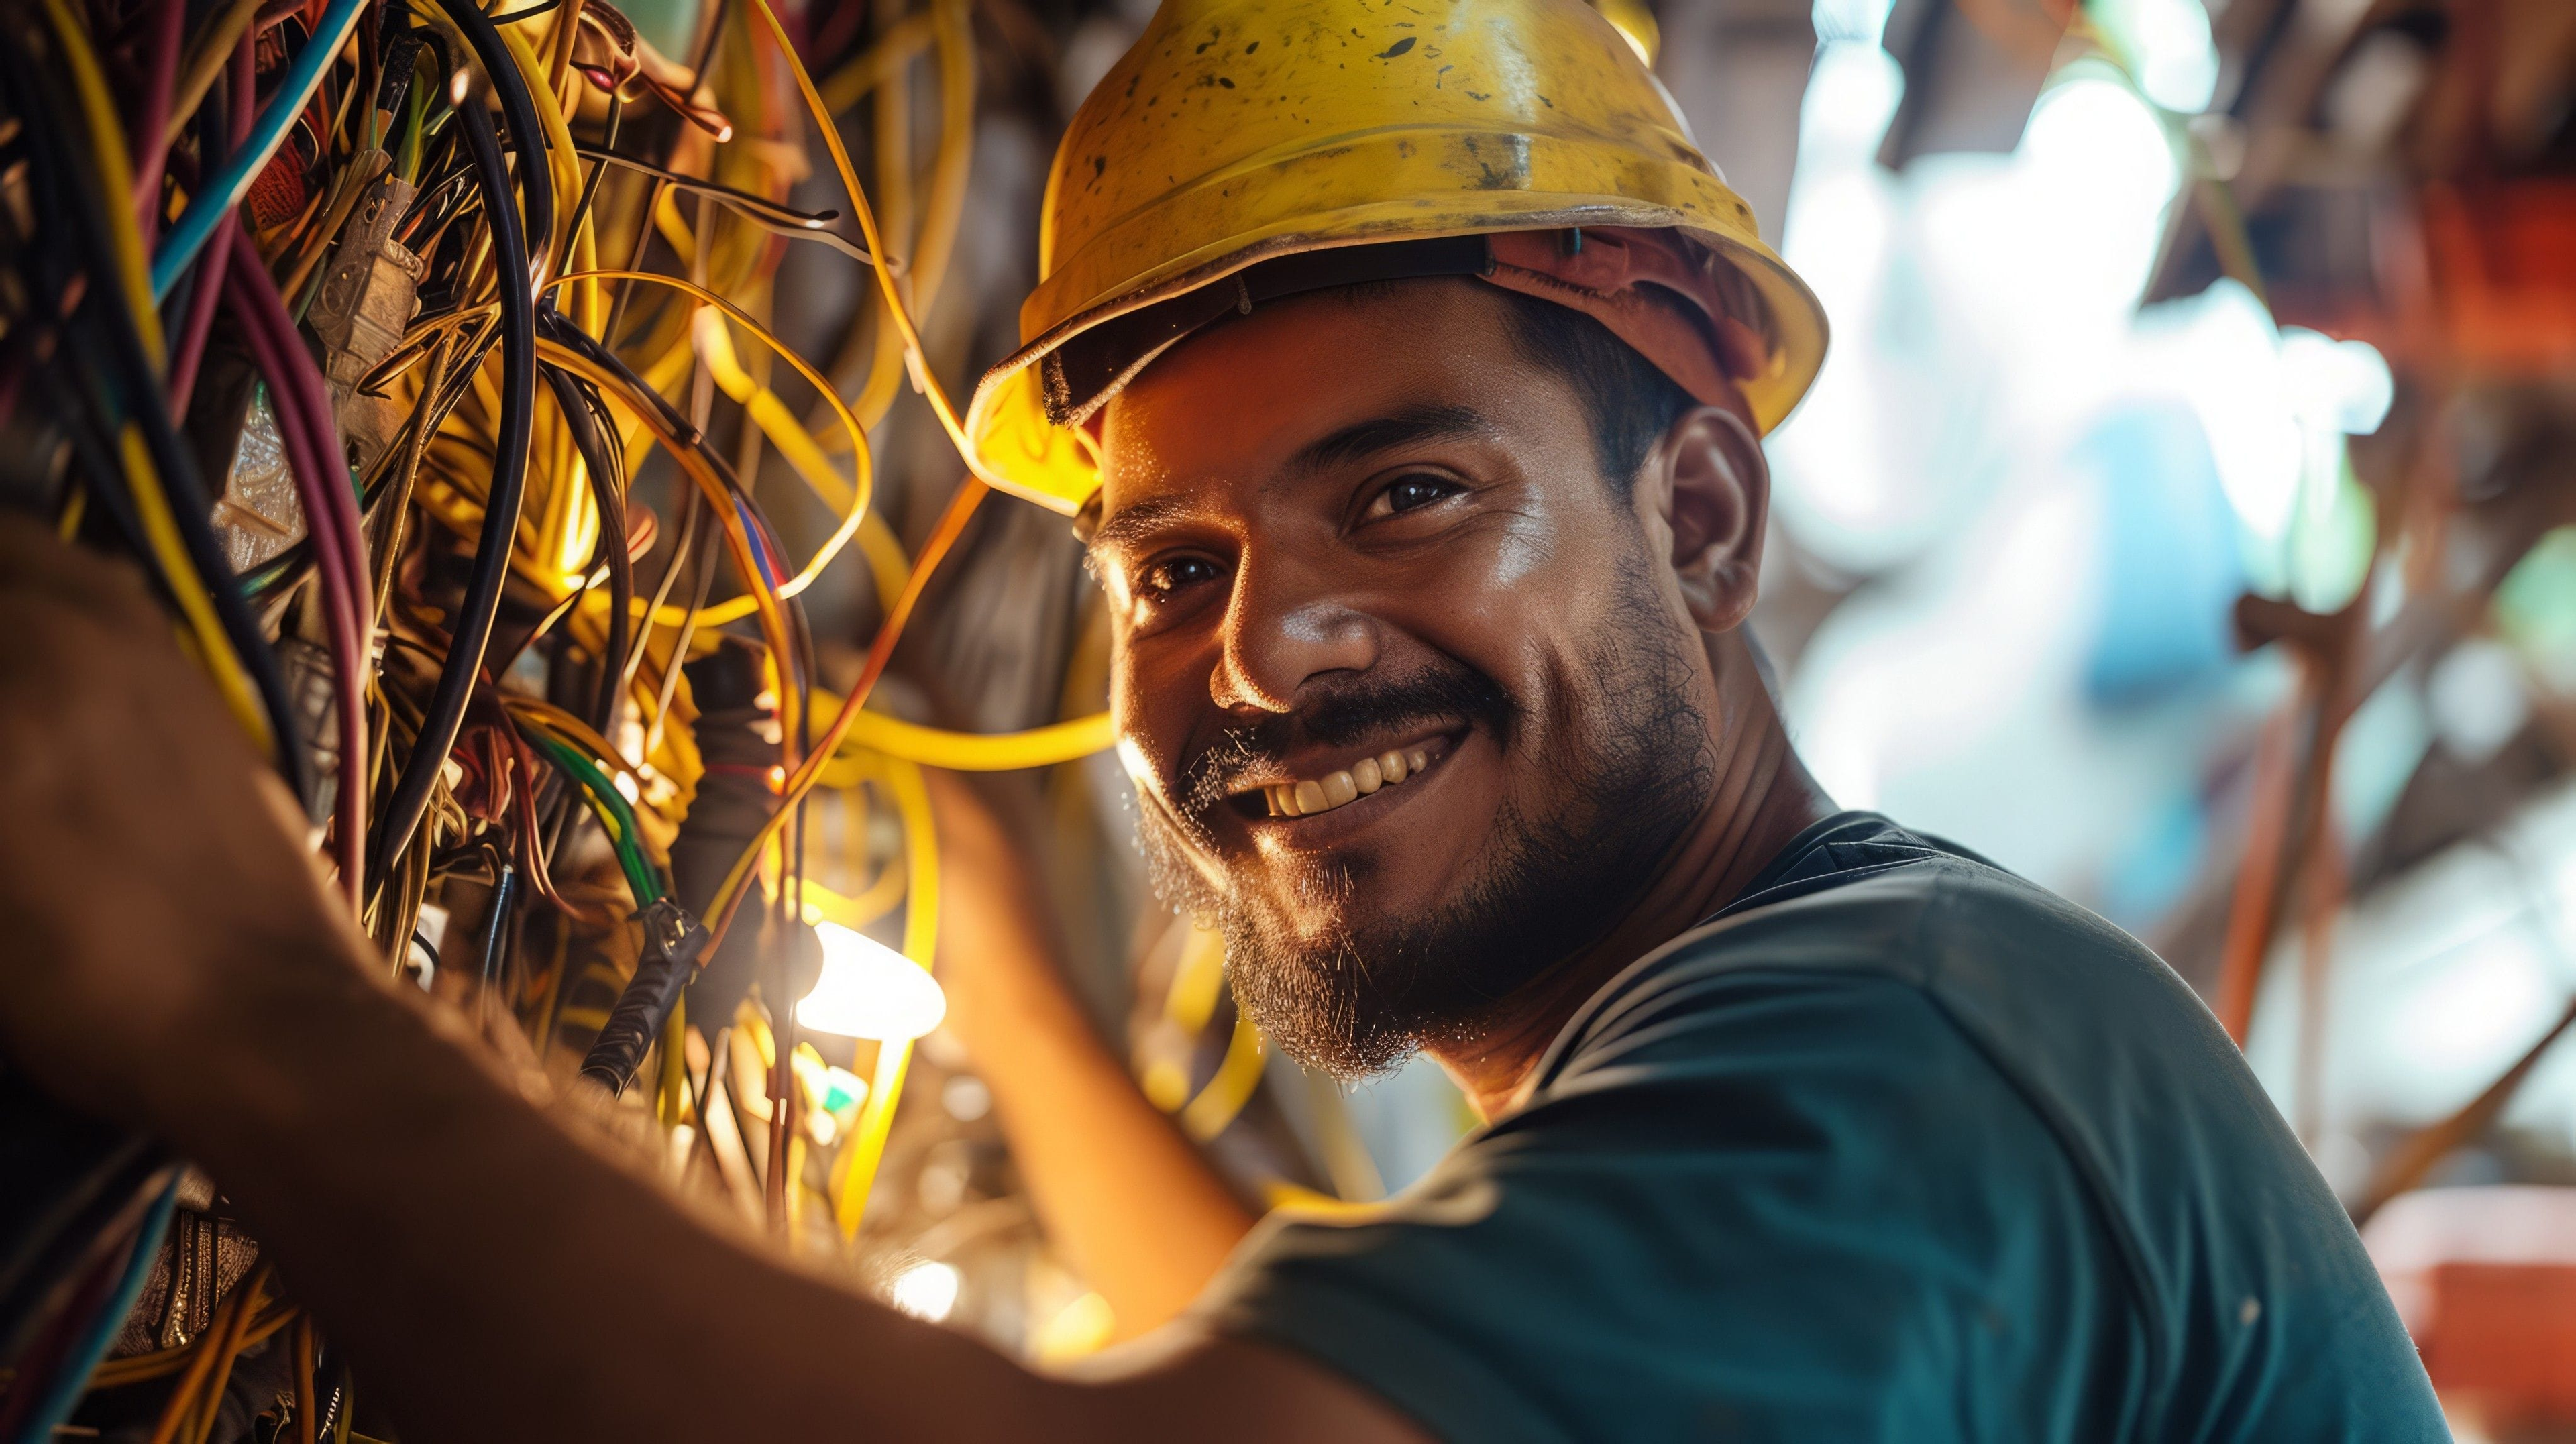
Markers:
{"x": 1765, "y": 1205}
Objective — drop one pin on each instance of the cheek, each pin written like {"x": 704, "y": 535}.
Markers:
{"x": 1153, "y": 706}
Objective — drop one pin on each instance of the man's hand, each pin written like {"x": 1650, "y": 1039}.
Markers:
{"x": 151, "y": 865}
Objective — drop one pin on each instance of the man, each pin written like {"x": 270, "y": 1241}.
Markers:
{"x": 1429, "y": 564}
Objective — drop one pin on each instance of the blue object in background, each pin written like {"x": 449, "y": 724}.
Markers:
{"x": 2170, "y": 567}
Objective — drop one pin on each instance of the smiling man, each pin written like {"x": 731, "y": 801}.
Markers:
{"x": 1406, "y": 374}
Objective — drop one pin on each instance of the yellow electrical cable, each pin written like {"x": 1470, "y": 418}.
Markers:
{"x": 567, "y": 521}
{"x": 674, "y": 1100}
{"x": 934, "y": 245}
{"x": 712, "y": 487}
{"x": 898, "y": 47}
{"x": 135, "y": 1368}
{"x": 866, "y": 1148}
{"x": 824, "y": 904}
{"x": 945, "y": 207}
{"x": 891, "y": 128}
{"x": 1198, "y": 980}
{"x": 720, "y": 502}
{"x": 916, "y": 355}
{"x": 1225, "y": 1095}
{"x": 562, "y": 159}
{"x": 116, "y": 175}
{"x": 850, "y": 499}
{"x": 784, "y": 431}
{"x": 214, "y": 649}
{"x": 567, "y": 729}
{"x": 875, "y": 732}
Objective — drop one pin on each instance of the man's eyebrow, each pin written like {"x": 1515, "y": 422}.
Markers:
{"x": 1133, "y": 522}
{"x": 1363, "y": 439}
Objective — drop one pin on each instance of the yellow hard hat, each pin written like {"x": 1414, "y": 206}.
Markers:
{"x": 1239, "y": 132}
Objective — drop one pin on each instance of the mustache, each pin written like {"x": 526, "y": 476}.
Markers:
{"x": 1343, "y": 715}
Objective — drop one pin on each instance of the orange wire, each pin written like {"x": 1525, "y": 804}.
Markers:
{"x": 952, "y": 523}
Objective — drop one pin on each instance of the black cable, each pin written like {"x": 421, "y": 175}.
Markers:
{"x": 560, "y": 330}
{"x": 590, "y": 183}
{"x": 536, "y": 184}
{"x": 140, "y": 396}
{"x": 761, "y": 211}
{"x": 481, "y": 607}
{"x": 595, "y": 459}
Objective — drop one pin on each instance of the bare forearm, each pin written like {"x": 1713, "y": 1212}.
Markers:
{"x": 1129, "y": 1199}
{"x": 1126, "y": 1197}
{"x": 446, "y": 1229}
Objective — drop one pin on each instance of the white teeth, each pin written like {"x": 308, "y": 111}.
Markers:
{"x": 1338, "y": 789}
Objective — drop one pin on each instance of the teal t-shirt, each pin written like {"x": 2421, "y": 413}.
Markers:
{"x": 1897, "y": 1147}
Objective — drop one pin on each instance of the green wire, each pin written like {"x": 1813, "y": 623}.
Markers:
{"x": 611, "y": 806}
{"x": 415, "y": 106}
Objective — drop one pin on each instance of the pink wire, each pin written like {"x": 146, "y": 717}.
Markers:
{"x": 200, "y": 320}
{"x": 152, "y": 127}
{"x": 303, "y": 409}
{"x": 240, "y": 106}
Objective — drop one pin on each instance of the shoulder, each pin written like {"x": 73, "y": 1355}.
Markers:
{"x": 1893, "y": 916}
{"x": 1792, "y": 1197}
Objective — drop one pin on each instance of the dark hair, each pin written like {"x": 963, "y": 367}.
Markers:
{"x": 1630, "y": 402}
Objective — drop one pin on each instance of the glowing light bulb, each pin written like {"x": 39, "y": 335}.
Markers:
{"x": 926, "y": 1291}
{"x": 869, "y": 990}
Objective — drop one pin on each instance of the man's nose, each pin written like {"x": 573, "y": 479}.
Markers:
{"x": 1279, "y": 636}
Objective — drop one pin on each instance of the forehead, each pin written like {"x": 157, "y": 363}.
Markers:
{"x": 1241, "y": 402}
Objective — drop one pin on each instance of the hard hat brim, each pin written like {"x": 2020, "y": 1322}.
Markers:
{"x": 1031, "y": 456}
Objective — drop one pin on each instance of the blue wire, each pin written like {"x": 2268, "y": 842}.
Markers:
{"x": 72, "y": 1380}
{"x": 759, "y": 537}
{"x": 225, "y": 191}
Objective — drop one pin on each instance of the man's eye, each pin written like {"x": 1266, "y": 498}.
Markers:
{"x": 1407, "y": 493}
{"x": 1166, "y": 577}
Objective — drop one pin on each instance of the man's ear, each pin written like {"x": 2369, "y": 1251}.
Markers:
{"x": 1712, "y": 492}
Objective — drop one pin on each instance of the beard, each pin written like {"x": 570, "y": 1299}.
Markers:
{"x": 1628, "y": 744}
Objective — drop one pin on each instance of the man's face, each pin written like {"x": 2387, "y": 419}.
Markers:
{"x": 1353, "y": 538}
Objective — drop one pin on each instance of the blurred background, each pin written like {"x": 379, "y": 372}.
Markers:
{"x": 2184, "y": 520}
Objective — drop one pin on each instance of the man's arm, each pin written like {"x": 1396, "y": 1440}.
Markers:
{"x": 175, "y": 962}
{"x": 1130, "y": 1201}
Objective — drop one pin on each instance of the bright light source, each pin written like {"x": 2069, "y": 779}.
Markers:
{"x": 926, "y": 1291}
{"x": 2339, "y": 385}
{"x": 2169, "y": 49}
{"x": 2228, "y": 361}
{"x": 869, "y": 990}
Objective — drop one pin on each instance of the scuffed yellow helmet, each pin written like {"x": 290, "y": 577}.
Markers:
{"x": 1237, "y": 132}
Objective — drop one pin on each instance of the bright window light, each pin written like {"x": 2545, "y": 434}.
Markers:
{"x": 869, "y": 990}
